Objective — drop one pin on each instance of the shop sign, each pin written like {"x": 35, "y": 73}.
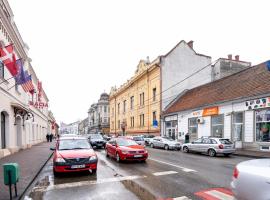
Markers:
{"x": 197, "y": 113}
{"x": 258, "y": 103}
{"x": 210, "y": 111}
{"x": 39, "y": 105}
{"x": 171, "y": 118}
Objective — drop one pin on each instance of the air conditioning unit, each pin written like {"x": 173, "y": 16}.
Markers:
{"x": 200, "y": 120}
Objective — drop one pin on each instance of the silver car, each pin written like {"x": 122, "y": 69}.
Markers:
{"x": 139, "y": 140}
{"x": 251, "y": 180}
{"x": 211, "y": 146}
{"x": 165, "y": 142}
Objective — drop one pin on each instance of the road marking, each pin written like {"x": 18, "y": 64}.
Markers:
{"x": 177, "y": 166}
{"x": 216, "y": 194}
{"x": 164, "y": 173}
{"x": 220, "y": 195}
{"x": 85, "y": 183}
{"x": 176, "y": 198}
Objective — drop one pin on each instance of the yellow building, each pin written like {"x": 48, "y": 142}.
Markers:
{"x": 135, "y": 106}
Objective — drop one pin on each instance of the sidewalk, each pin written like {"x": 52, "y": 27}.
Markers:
{"x": 252, "y": 154}
{"x": 30, "y": 161}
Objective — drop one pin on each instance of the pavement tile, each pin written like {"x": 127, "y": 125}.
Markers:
{"x": 30, "y": 161}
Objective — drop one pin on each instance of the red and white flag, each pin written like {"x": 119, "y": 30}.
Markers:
{"x": 8, "y": 57}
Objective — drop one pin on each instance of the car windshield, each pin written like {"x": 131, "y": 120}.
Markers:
{"x": 168, "y": 138}
{"x": 95, "y": 136}
{"x": 74, "y": 144}
{"x": 126, "y": 142}
{"x": 138, "y": 138}
{"x": 225, "y": 141}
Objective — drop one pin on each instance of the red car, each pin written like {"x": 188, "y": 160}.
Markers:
{"x": 125, "y": 149}
{"x": 74, "y": 154}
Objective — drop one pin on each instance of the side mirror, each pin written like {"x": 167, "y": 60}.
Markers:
{"x": 52, "y": 148}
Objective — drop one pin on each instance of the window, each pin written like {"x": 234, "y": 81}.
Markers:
{"x": 118, "y": 108}
{"x": 2, "y": 72}
{"x": 124, "y": 106}
{"x": 118, "y": 124}
{"x": 105, "y": 109}
{"x": 154, "y": 115}
{"x": 142, "y": 120}
{"x": 263, "y": 125}
{"x": 238, "y": 126}
{"x": 132, "y": 122}
{"x": 192, "y": 127}
{"x": 131, "y": 103}
{"x": 154, "y": 94}
{"x": 217, "y": 123}
{"x": 142, "y": 99}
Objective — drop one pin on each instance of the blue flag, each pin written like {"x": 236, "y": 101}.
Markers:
{"x": 20, "y": 78}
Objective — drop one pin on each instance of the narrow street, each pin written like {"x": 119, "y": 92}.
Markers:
{"x": 166, "y": 174}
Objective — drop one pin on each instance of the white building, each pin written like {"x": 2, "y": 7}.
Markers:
{"x": 72, "y": 128}
{"x": 22, "y": 124}
{"x": 236, "y": 107}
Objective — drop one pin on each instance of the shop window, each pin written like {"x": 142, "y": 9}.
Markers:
{"x": 217, "y": 123}
{"x": 193, "y": 127}
{"x": 238, "y": 126}
{"x": 263, "y": 125}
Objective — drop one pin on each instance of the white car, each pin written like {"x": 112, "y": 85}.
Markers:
{"x": 165, "y": 143}
{"x": 139, "y": 140}
{"x": 251, "y": 180}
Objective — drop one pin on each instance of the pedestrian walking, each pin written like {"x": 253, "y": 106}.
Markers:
{"x": 48, "y": 137}
{"x": 51, "y": 137}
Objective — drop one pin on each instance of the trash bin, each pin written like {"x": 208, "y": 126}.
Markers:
{"x": 14, "y": 173}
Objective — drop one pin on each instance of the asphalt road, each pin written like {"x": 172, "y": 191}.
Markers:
{"x": 166, "y": 174}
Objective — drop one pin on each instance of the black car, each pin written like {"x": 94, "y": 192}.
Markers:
{"x": 96, "y": 140}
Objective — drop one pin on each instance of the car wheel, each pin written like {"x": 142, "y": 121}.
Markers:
{"x": 56, "y": 174}
{"x": 185, "y": 149}
{"x": 166, "y": 147}
{"x": 152, "y": 145}
{"x": 227, "y": 154}
{"x": 118, "y": 159}
{"x": 94, "y": 171}
{"x": 212, "y": 152}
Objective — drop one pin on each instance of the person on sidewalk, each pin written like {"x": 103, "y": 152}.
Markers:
{"x": 48, "y": 137}
{"x": 51, "y": 137}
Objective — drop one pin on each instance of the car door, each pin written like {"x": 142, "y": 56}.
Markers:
{"x": 155, "y": 142}
{"x": 110, "y": 147}
{"x": 196, "y": 145}
{"x": 206, "y": 143}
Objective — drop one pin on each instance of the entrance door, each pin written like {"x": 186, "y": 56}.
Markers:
{"x": 3, "y": 131}
{"x": 237, "y": 129}
{"x": 19, "y": 131}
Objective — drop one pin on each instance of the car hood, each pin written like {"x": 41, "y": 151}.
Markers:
{"x": 132, "y": 148}
{"x": 77, "y": 153}
{"x": 259, "y": 167}
{"x": 97, "y": 140}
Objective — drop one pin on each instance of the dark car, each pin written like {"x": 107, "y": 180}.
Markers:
{"x": 97, "y": 141}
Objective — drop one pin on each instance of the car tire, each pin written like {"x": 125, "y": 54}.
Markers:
{"x": 94, "y": 171}
{"x": 55, "y": 173}
{"x": 185, "y": 149}
{"x": 118, "y": 159}
{"x": 212, "y": 153}
{"x": 152, "y": 145}
{"x": 166, "y": 147}
{"x": 227, "y": 154}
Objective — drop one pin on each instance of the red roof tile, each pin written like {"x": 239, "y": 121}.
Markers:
{"x": 253, "y": 81}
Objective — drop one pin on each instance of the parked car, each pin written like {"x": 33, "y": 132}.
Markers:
{"x": 73, "y": 154}
{"x": 139, "y": 140}
{"x": 147, "y": 139}
{"x": 251, "y": 180}
{"x": 211, "y": 146}
{"x": 125, "y": 149}
{"x": 165, "y": 142}
{"x": 68, "y": 135}
{"x": 96, "y": 140}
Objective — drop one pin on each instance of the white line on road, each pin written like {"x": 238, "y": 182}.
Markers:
{"x": 164, "y": 173}
{"x": 219, "y": 195}
{"x": 181, "y": 198}
{"x": 177, "y": 166}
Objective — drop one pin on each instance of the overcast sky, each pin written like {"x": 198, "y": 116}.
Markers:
{"x": 81, "y": 48}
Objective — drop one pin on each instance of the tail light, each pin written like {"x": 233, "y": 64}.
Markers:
{"x": 235, "y": 173}
{"x": 221, "y": 146}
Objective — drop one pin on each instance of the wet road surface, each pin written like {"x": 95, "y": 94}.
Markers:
{"x": 166, "y": 174}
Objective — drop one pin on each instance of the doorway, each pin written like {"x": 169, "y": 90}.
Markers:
{"x": 171, "y": 129}
{"x": 19, "y": 131}
{"x": 3, "y": 131}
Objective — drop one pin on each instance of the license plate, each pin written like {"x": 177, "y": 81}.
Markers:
{"x": 138, "y": 156}
{"x": 77, "y": 166}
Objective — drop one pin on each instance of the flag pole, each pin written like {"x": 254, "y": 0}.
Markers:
{"x": 6, "y": 80}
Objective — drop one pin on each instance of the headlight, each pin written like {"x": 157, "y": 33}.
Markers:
{"x": 92, "y": 158}
{"x": 145, "y": 151}
{"x": 124, "y": 152}
{"x": 60, "y": 160}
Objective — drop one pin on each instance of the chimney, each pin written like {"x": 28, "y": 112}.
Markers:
{"x": 237, "y": 57}
{"x": 190, "y": 44}
{"x": 230, "y": 56}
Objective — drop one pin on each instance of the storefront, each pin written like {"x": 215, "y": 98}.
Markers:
{"x": 171, "y": 127}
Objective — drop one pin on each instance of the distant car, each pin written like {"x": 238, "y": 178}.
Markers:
{"x": 251, "y": 180}
{"x": 125, "y": 149}
{"x": 139, "y": 140}
{"x": 73, "y": 154}
{"x": 165, "y": 143}
{"x": 147, "y": 139}
{"x": 211, "y": 146}
{"x": 96, "y": 140}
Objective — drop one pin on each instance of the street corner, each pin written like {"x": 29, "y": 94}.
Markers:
{"x": 216, "y": 194}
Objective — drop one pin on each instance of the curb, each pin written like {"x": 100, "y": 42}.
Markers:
{"x": 249, "y": 156}
{"x": 32, "y": 181}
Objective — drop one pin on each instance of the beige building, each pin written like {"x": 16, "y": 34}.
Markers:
{"x": 135, "y": 106}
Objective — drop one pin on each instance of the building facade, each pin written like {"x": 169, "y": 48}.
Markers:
{"x": 72, "y": 128}
{"x": 236, "y": 107}
{"x": 24, "y": 116}
{"x": 83, "y": 126}
{"x": 98, "y": 115}
{"x": 135, "y": 106}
